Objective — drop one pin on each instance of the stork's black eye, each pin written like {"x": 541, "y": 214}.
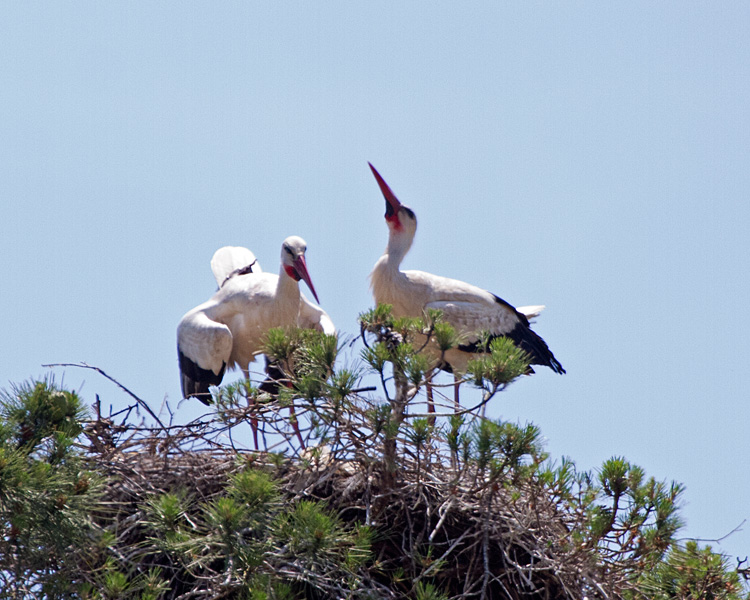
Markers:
{"x": 288, "y": 249}
{"x": 409, "y": 212}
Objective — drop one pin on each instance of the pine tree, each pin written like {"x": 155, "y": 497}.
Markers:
{"x": 376, "y": 498}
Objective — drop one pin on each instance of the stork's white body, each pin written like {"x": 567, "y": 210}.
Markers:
{"x": 230, "y": 261}
{"x": 470, "y": 309}
{"x": 467, "y": 307}
{"x": 228, "y": 330}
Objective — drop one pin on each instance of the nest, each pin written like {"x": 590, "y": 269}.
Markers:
{"x": 437, "y": 523}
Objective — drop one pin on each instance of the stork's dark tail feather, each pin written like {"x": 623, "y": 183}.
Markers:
{"x": 523, "y": 337}
{"x": 528, "y": 341}
{"x": 532, "y": 343}
{"x": 536, "y": 348}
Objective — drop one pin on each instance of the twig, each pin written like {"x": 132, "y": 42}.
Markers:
{"x": 717, "y": 540}
{"x": 113, "y": 380}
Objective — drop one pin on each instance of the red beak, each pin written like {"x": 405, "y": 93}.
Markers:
{"x": 300, "y": 267}
{"x": 393, "y": 203}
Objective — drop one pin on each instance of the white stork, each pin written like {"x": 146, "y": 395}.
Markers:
{"x": 470, "y": 309}
{"x": 228, "y": 330}
{"x": 236, "y": 260}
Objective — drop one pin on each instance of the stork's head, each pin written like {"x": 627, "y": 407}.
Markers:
{"x": 399, "y": 218}
{"x": 293, "y": 260}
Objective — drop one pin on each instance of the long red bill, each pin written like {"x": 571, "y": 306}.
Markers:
{"x": 390, "y": 197}
{"x": 300, "y": 267}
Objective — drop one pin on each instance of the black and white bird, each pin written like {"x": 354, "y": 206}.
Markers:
{"x": 227, "y": 331}
{"x": 470, "y": 309}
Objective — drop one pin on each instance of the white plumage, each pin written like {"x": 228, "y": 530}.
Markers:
{"x": 228, "y": 330}
{"x": 232, "y": 260}
{"x": 470, "y": 309}
{"x": 531, "y": 312}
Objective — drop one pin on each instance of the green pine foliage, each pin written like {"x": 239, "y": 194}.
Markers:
{"x": 690, "y": 572}
{"x": 375, "y": 499}
{"x": 504, "y": 363}
{"x": 47, "y": 494}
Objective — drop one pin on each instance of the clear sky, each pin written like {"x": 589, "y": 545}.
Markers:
{"x": 592, "y": 158}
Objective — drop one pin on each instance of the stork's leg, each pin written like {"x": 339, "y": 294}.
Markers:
{"x": 253, "y": 418}
{"x": 295, "y": 425}
{"x": 456, "y": 383}
{"x": 274, "y": 377}
{"x": 430, "y": 404}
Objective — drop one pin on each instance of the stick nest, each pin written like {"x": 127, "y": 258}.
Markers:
{"x": 438, "y": 525}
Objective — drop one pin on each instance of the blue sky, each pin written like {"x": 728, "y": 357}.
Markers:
{"x": 590, "y": 158}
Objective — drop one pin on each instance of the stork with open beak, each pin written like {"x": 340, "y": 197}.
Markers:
{"x": 228, "y": 330}
{"x": 470, "y": 309}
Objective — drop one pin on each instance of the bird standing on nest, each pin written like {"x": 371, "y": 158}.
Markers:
{"x": 228, "y": 330}
{"x": 471, "y": 310}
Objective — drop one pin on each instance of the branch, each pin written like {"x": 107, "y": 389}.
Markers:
{"x": 113, "y": 380}
{"x": 717, "y": 540}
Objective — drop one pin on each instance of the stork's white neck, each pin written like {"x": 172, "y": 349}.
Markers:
{"x": 386, "y": 278}
{"x": 399, "y": 243}
{"x": 287, "y": 287}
